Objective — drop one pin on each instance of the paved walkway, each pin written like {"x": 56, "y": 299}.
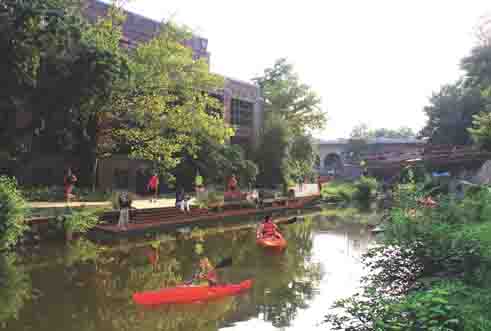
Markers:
{"x": 139, "y": 204}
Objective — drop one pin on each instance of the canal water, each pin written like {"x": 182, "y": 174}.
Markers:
{"x": 88, "y": 287}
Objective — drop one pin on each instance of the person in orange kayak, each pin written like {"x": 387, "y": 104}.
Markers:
{"x": 207, "y": 273}
{"x": 268, "y": 228}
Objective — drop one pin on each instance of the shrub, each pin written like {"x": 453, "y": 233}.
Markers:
{"x": 81, "y": 221}
{"x": 210, "y": 200}
{"x": 15, "y": 289}
{"x": 338, "y": 191}
{"x": 13, "y": 210}
{"x": 366, "y": 189}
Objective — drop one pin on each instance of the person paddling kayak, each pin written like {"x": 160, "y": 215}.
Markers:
{"x": 267, "y": 228}
{"x": 206, "y": 274}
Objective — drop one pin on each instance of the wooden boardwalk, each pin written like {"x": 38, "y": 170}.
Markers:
{"x": 162, "y": 218}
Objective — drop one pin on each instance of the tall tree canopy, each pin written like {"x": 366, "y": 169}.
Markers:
{"x": 166, "y": 102}
{"x": 89, "y": 97}
{"x": 363, "y": 131}
{"x": 457, "y": 107}
{"x": 285, "y": 95}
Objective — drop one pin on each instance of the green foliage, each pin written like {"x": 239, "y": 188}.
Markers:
{"x": 288, "y": 98}
{"x": 218, "y": 161}
{"x": 82, "y": 251}
{"x": 15, "y": 289}
{"x": 13, "y": 210}
{"x": 366, "y": 189}
{"x": 432, "y": 270}
{"x": 363, "y": 131}
{"x": 81, "y": 221}
{"x": 272, "y": 154}
{"x": 164, "y": 95}
{"x": 481, "y": 130}
{"x": 338, "y": 191}
{"x": 362, "y": 190}
{"x": 56, "y": 193}
{"x": 457, "y": 107}
{"x": 211, "y": 199}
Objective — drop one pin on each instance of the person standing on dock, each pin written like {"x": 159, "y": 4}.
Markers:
{"x": 232, "y": 183}
{"x": 69, "y": 182}
{"x": 153, "y": 186}
{"x": 124, "y": 213}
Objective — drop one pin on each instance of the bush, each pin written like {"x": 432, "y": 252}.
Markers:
{"x": 56, "y": 193}
{"x": 15, "y": 289}
{"x": 338, "y": 191}
{"x": 211, "y": 199}
{"x": 13, "y": 210}
{"x": 81, "y": 221}
{"x": 366, "y": 189}
{"x": 432, "y": 271}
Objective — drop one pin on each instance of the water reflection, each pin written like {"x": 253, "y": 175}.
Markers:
{"x": 91, "y": 289}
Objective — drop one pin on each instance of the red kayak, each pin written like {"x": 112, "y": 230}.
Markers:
{"x": 189, "y": 294}
{"x": 276, "y": 242}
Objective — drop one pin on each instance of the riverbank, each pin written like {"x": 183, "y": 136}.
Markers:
{"x": 432, "y": 267}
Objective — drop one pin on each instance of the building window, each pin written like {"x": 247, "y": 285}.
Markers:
{"x": 242, "y": 113}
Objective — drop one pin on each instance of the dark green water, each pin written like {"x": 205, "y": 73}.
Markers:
{"x": 88, "y": 287}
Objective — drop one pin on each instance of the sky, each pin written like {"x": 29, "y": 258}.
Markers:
{"x": 375, "y": 62}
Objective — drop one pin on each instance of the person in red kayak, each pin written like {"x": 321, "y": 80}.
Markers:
{"x": 268, "y": 229}
{"x": 153, "y": 186}
{"x": 69, "y": 182}
{"x": 207, "y": 273}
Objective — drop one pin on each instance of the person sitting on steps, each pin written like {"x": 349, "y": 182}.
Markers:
{"x": 182, "y": 201}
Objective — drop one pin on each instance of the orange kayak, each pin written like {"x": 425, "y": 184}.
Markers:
{"x": 189, "y": 294}
{"x": 276, "y": 242}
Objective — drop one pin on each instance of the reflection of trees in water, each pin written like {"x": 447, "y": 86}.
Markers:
{"x": 92, "y": 287}
{"x": 15, "y": 289}
{"x": 285, "y": 290}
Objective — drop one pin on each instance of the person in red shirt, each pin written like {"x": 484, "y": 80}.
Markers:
{"x": 153, "y": 187}
{"x": 267, "y": 228}
{"x": 232, "y": 183}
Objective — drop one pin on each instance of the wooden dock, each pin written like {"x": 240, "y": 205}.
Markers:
{"x": 161, "y": 218}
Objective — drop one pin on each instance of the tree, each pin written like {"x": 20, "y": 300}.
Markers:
{"x": 272, "y": 154}
{"x": 165, "y": 105}
{"x": 481, "y": 130}
{"x": 302, "y": 158}
{"x": 363, "y": 131}
{"x": 450, "y": 113}
{"x": 453, "y": 108}
{"x": 63, "y": 72}
{"x": 285, "y": 96}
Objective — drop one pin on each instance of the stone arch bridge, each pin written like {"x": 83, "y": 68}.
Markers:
{"x": 385, "y": 157}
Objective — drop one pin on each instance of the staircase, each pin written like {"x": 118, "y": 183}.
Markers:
{"x": 153, "y": 215}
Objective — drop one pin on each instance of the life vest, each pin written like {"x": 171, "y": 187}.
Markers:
{"x": 269, "y": 229}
